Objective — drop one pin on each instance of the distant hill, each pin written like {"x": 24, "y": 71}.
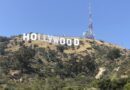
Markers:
{"x": 38, "y": 65}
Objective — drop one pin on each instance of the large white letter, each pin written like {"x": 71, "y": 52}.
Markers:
{"x": 50, "y": 39}
{"x": 38, "y": 36}
{"x": 33, "y": 36}
{"x": 56, "y": 40}
{"x": 69, "y": 42}
{"x": 62, "y": 41}
{"x": 44, "y": 38}
{"x": 26, "y": 37}
{"x": 76, "y": 42}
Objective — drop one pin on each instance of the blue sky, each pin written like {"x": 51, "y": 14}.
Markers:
{"x": 67, "y": 17}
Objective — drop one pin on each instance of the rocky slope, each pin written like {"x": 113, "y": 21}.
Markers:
{"x": 93, "y": 65}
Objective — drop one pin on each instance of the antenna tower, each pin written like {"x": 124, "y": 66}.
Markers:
{"x": 89, "y": 33}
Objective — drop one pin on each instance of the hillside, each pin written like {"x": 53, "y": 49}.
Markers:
{"x": 38, "y": 65}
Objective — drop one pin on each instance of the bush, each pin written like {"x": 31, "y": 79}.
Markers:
{"x": 114, "y": 54}
{"x": 2, "y": 47}
{"x": 108, "y": 84}
{"x": 127, "y": 86}
{"x": 10, "y": 87}
{"x": 4, "y": 39}
{"x": 61, "y": 48}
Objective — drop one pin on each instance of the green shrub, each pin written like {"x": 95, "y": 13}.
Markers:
{"x": 61, "y": 48}
{"x": 114, "y": 54}
{"x": 127, "y": 86}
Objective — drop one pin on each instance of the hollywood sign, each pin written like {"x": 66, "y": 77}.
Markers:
{"x": 51, "y": 39}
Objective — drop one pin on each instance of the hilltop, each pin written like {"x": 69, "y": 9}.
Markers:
{"x": 93, "y": 65}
